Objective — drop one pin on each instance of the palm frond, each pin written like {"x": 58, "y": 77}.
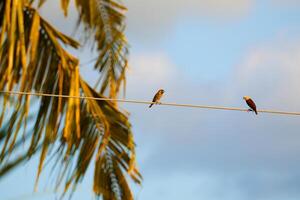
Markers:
{"x": 105, "y": 19}
{"x": 32, "y": 58}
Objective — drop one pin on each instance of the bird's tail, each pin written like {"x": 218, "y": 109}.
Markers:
{"x": 255, "y": 112}
{"x": 151, "y": 105}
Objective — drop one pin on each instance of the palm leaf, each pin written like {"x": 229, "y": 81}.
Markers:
{"x": 106, "y": 18}
{"x": 80, "y": 132}
{"x": 103, "y": 21}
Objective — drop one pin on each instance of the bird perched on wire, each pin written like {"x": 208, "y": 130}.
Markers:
{"x": 250, "y": 103}
{"x": 157, "y": 97}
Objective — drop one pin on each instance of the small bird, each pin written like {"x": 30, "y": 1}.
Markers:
{"x": 250, "y": 103}
{"x": 157, "y": 97}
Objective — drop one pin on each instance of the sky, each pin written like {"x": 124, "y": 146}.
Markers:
{"x": 212, "y": 53}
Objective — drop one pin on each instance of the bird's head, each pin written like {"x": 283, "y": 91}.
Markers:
{"x": 246, "y": 98}
{"x": 161, "y": 91}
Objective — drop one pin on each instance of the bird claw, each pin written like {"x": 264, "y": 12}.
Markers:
{"x": 249, "y": 110}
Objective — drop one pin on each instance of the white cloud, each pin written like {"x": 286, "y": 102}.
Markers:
{"x": 150, "y": 71}
{"x": 271, "y": 72}
{"x": 157, "y": 17}
{"x": 285, "y": 2}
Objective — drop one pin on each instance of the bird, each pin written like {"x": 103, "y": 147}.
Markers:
{"x": 250, "y": 103}
{"x": 157, "y": 97}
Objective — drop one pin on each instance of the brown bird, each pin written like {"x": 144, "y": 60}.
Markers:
{"x": 157, "y": 97}
{"x": 250, "y": 103}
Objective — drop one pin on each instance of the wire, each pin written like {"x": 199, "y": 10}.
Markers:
{"x": 150, "y": 102}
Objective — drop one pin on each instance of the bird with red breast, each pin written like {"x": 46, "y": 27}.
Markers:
{"x": 250, "y": 103}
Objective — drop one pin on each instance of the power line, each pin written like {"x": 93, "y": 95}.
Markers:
{"x": 150, "y": 102}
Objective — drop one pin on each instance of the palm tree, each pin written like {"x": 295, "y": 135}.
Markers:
{"x": 76, "y": 132}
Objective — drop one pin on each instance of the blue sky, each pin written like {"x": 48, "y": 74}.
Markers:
{"x": 206, "y": 52}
